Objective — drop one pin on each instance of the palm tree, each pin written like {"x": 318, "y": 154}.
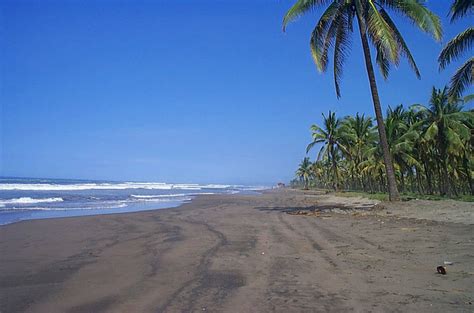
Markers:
{"x": 375, "y": 24}
{"x": 447, "y": 127}
{"x": 401, "y": 141}
{"x": 329, "y": 136}
{"x": 431, "y": 149}
{"x": 357, "y": 134}
{"x": 373, "y": 167}
{"x": 460, "y": 44}
{"x": 318, "y": 173}
{"x": 304, "y": 171}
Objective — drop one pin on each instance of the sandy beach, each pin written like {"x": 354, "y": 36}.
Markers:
{"x": 240, "y": 253}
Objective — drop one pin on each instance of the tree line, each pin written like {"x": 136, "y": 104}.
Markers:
{"x": 431, "y": 147}
{"x": 387, "y": 163}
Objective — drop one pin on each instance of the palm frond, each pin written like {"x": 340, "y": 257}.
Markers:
{"x": 410, "y": 160}
{"x": 455, "y": 144}
{"x": 461, "y": 79}
{"x": 341, "y": 49}
{"x": 332, "y": 34}
{"x": 382, "y": 61}
{"x": 419, "y": 15}
{"x": 468, "y": 98}
{"x": 322, "y": 152}
{"x": 460, "y": 8}
{"x": 316, "y": 129}
{"x": 419, "y": 109}
{"x": 431, "y": 132}
{"x": 320, "y": 33}
{"x": 401, "y": 43}
{"x": 310, "y": 146}
{"x": 381, "y": 34}
{"x": 299, "y": 8}
{"x": 459, "y": 128}
{"x": 462, "y": 116}
{"x": 456, "y": 46}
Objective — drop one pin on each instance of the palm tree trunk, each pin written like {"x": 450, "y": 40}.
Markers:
{"x": 419, "y": 183}
{"x": 362, "y": 183}
{"x": 336, "y": 180}
{"x": 392, "y": 183}
{"x": 353, "y": 181}
{"x": 334, "y": 167}
{"x": 402, "y": 183}
{"x": 453, "y": 187}
{"x": 381, "y": 189}
{"x": 447, "y": 187}
{"x": 440, "y": 182}
{"x": 468, "y": 172}
{"x": 428, "y": 178}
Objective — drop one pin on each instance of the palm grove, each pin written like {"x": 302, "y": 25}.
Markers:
{"x": 424, "y": 149}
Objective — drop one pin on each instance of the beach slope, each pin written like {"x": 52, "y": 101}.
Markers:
{"x": 237, "y": 253}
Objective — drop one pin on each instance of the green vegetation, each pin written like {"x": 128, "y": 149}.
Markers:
{"x": 404, "y": 196}
{"x": 431, "y": 148}
{"x": 304, "y": 172}
{"x": 423, "y": 150}
{"x": 460, "y": 44}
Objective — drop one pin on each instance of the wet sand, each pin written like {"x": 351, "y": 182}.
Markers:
{"x": 237, "y": 253}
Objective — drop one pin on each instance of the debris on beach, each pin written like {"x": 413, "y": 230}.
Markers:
{"x": 441, "y": 270}
{"x": 448, "y": 263}
{"x": 309, "y": 213}
{"x": 325, "y": 210}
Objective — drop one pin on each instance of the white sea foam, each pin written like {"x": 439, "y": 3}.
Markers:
{"x": 159, "y": 196}
{"x": 107, "y": 186}
{"x": 88, "y": 186}
{"x": 215, "y": 186}
{"x": 165, "y": 199}
{"x": 102, "y": 207}
{"x": 251, "y": 188}
{"x": 176, "y": 195}
{"x": 28, "y": 200}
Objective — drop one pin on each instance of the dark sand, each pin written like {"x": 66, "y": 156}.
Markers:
{"x": 236, "y": 254}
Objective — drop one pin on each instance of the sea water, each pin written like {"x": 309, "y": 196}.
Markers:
{"x": 25, "y": 198}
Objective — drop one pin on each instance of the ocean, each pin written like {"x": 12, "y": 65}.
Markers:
{"x": 26, "y": 198}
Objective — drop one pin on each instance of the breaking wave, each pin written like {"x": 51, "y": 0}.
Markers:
{"x": 176, "y": 195}
{"x": 108, "y": 186}
{"x": 121, "y": 205}
{"x": 28, "y": 200}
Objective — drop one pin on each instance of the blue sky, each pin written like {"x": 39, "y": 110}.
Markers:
{"x": 177, "y": 91}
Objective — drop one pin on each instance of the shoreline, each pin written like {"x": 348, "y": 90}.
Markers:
{"x": 236, "y": 253}
{"x": 112, "y": 211}
{"x": 25, "y": 199}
